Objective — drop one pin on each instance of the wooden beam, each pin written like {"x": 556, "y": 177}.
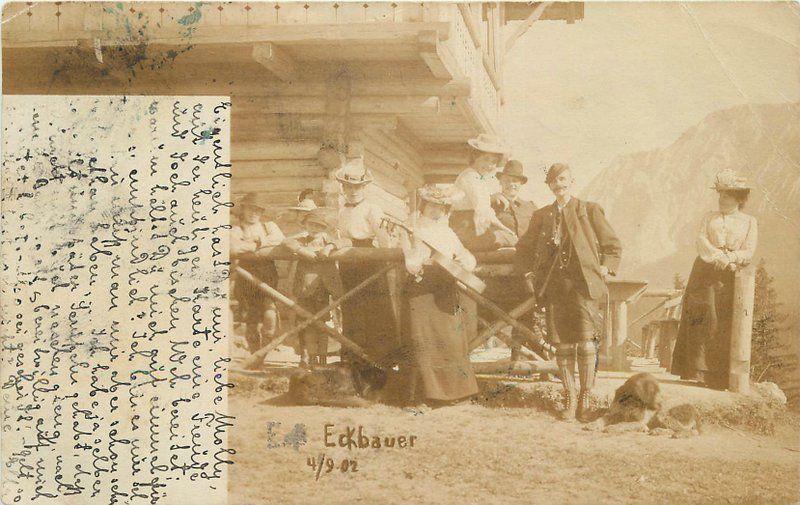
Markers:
{"x": 439, "y": 178}
{"x": 262, "y": 169}
{"x": 438, "y": 59}
{"x": 358, "y": 105}
{"x": 447, "y": 156}
{"x": 305, "y": 124}
{"x": 278, "y": 184}
{"x": 472, "y": 26}
{"x": 522, "y": 28}
{"x": 222, "y": 34}
{"x": 474, "y": 117}
{"x": 244, "y": 151}
{"x": 276, "y": 60}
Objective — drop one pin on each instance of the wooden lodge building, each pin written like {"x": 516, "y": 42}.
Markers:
{"x": 401, "y": 84}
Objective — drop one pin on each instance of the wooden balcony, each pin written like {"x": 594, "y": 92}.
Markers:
{"x": 447, "y": 51}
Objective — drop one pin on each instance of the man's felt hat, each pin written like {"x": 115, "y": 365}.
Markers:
{"x": 554, "y": 171}
{"x": 249, "y": 200}
{"x": 513, "y": 168}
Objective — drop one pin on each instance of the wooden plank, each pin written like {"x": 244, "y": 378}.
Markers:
{"x": 282, "y": 34}
{"x": 277, "y": 184}
{"x": 379, "y": 142}
{"x": 525, "y": 25}
{"x": 358, "y": 104}
{"x": 273, "y": 150}
{"x": 474, "y": 118}
{"x": 393, "y": 143}
{"x": 447, "y": 156}
{"x": 386, "y": 176}
{"x": 437, "y": 57}
{"x": 276, "y": 60}
{"x": 741, "y": 335}
{"x": 472, "y": 25}
{"x": 390, "y": 204}
{"x": 276, "y": 168}
{"x": 404, "y": 172}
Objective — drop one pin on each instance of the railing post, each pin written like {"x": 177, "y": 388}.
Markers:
{"x": 742, "y": 330}
{"x": 619, "y": 334}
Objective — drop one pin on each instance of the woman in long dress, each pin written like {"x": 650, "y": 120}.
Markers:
{"x": 726, "y": 242}
{"x": 439, "y": 368}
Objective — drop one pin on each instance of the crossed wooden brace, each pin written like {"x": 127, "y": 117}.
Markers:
{"x": 532, "y": 340}
{"x": 257, "y": 358}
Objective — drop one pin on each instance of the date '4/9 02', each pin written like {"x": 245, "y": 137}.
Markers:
{"x": 324, "y": 464}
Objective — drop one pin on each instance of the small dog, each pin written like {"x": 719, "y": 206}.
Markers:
{"x": 637, "y": 406}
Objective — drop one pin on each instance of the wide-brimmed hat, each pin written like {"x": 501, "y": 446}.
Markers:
{"x": 248, "y": 200}
{"x": 488, "y": 144}
{"x": 306, "y": 205}
{"x": 513, "y": 168}
{"x": 727, "y": 180}
{"x": 442, "y": 195}
{"x": 354, "y": 172}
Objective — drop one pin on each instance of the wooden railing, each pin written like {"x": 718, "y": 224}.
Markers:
{"x": 469, "y": 50}
{"x": 76, "y": 16}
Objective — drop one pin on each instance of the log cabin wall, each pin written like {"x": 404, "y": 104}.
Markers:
{"x": 422, "y": 77}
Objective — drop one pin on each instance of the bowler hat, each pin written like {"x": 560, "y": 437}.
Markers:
{"x": 513, "y": 169}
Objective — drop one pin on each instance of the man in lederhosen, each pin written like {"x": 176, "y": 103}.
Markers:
{"x": 566, "y": 256}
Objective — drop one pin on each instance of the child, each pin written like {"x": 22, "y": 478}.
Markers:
{"x": 314, "y": 282}
{"x": 250, "y": 240}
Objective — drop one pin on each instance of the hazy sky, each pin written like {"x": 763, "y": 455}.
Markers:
{"x": 634, "y": 76}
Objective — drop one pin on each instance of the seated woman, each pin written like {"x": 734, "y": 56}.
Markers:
{"x": 726, "y": 242}
{"x": 439, "y": 369}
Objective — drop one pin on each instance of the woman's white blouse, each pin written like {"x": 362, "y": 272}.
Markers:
{"x": 439, "y": 235}
{"x": 478, "y": 190}
{"x": 726, "y": 238}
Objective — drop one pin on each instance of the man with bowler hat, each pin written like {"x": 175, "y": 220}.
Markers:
{"x": 515, "y": 213}
{"x": 566, "y": 256}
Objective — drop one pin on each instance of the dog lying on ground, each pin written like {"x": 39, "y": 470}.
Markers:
{"x": 637, "y": 406}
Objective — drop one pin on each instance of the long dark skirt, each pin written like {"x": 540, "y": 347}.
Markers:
{"x": 368, "y": 319}
{"x": 437, "y": 323}
{"x": 702, "y": 348}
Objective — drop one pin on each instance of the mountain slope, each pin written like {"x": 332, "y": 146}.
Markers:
{"x": 655, "y": 199}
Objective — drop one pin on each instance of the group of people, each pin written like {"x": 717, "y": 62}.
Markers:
{"x": 565, "y": 253}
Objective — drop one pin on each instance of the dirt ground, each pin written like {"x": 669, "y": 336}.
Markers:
{"x": 476, "y": 454}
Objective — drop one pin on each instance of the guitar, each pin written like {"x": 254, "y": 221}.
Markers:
{"x": 450, "y": 265}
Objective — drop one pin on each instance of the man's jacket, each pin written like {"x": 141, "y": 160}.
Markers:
{"x": 594, "y": 241}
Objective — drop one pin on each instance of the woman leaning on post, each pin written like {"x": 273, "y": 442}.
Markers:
{"x": 726, "y": 242}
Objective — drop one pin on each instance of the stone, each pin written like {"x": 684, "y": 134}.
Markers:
{"x": 770, "y": 392}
